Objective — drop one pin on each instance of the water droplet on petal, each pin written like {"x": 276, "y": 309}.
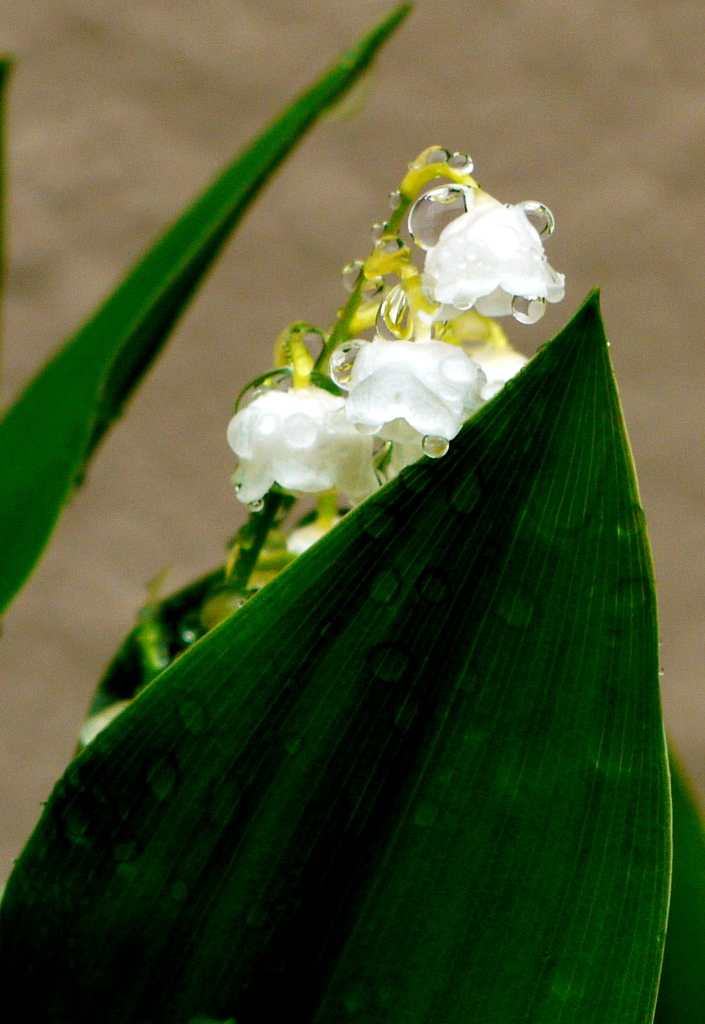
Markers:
{"x": 351, "y": 274}
{"x": 540, "y": 216}
{"x": 394, "y": 198}
{"x": 434, "y": 210}
{"x": 256, "y": 506}
{"x": 425, "y": 815}
{"x": 342, "y": 360}
{"x": 528, "y": 310}
{"x": 162, "y": 778}
{"x": 432, "y": 586}
{"x": 461, "y": 162}
{"x": 435, "y": 447}
{"x": 388, "y": 662}
{"x": 193, "y": 715}
{"x": 385, "y": 587}
{"x": 516, "y": 608}
{"x": 125, "y": 850}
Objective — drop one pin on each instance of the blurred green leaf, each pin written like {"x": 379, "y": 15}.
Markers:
{"x": 48, "y": 435}
{"x": 681, "y": 998}
{"x": 420, "y": 777}
{"x": 5, "y": 69}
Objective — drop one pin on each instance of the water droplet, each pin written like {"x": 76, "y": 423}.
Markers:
{"x": 540, "y": 216}
{"x": 190, "y": 629}
{"x": 631, "y": 523}
{"x": 376, "y": 522}
{"x": 76, "y": 823}
{"x": 394, "y": 198}
{"x": 163, "y": 777}
{"x": 125, "y": 850}
{"x": 385, "y": 586}
{"x": 256, "y": 506}
{"x": 342, "y": 361}
{"x": 178, "y": 891}
{"x": 435, "y": 447}
{"x": 394, "y": 319}
{"x": 292, "y": 743}
{"x": 193, "y": 715}
{"x": 425, "y": 815}
{"x": 257, "y": 917}
{"x": 388, "y": 244}
{"x": 379, "y": 229}
{"x": 461, "y": 162}
{"x": 351, "y": 274}
{"x": 516, "y": 608}
{"x": 388, "y": 662}
{"x": 466, "y": 496}
{"x": 434, "y": 210}
{"x": 528, "y": 310}
{"x": 432, "y": 586}
{"x": 414, "y": 478}
{"x": 432, "y": 155}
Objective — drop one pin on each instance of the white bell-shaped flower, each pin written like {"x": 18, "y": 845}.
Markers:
{"x": 406, "y": 390}
{"x": 492, "y": 258}
{"x": 498, "y": 364}
{"x": 301, "y": 440}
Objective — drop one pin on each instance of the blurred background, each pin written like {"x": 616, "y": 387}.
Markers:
{"x": 119, "y": 113}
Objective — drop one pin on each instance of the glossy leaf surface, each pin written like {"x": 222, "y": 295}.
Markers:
{"x": 419, "y": 778}
{"x": 47, "y": 436}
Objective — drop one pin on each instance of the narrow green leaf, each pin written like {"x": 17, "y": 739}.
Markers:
{"x": 50, "y": 432}
{"x": 681, "y": 998}
{"x": 5, "y": 69}
{"x": 419, "y": 778}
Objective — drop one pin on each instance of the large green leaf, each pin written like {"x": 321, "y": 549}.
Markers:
{"x": 49, "y": 433}
{"x": 681, "y": 998}
{"x": 420, "y": 777}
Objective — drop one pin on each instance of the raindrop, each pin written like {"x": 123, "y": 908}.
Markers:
{"x": 465, "y": 497}
{"x": 432, "y": 586}
{"x": 256, "y": 506}
{"x": 388, "y": 244}
{"x": 528, "y": 310}
{"x": 162, "y": 778}
{"x": 125, "y": 850}
{"x": 351, "y": 274}
{"x": 394, "y": 198}
{"x": 394, "y": 319}
{"x": 376, "y": 522}
{"x": 631, "y": 523}
{"x": 379, "y": 229}
{"x": 435, "y": 447}
{"x": 388, "y": 662}
{"x": 193, "y": 715}
{"x": 190, "y": 629}
{"x": 516, "y": 608}
{"x": 178, "y": 891}
{"x": 415, "y": 478}
{"x": 425, "y": 815}
{"x": 385, "y": 587}
{"x": 461, "y": 162}
{"x": 435, "y": 155}
{"x": 434, "y": 210}
{"x": 76, "y": 823}
{"x": 342, "y": 360}
{"x": 540, "y": 216}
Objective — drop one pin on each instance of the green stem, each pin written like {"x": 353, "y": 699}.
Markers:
{"x": 340, "y": 332}
{"x": 255, "y": 531}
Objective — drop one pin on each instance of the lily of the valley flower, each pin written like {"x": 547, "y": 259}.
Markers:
{"x": 301, "y": 440}
{"x": 492, "y": 258}
{"x": 406, "y": 390}
{"x": 498, "y": 365}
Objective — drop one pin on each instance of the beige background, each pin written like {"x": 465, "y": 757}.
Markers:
{"x": 121, "y": 111}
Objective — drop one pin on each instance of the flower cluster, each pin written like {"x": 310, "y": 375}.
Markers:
{"x": 370, "y": 406}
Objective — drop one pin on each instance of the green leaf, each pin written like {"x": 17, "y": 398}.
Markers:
{"x": 50, "y": 432}
{"x": 681, "y": 998}
{"x": 5, "y": 69}
{"x": 420, "y": 777}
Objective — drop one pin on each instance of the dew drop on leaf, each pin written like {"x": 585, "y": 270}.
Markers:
{"x": 385, "y": 586}
{"x": 162, "y": 778}
{"x": 435, "y": 447}
{"x": 388, "y": 662}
